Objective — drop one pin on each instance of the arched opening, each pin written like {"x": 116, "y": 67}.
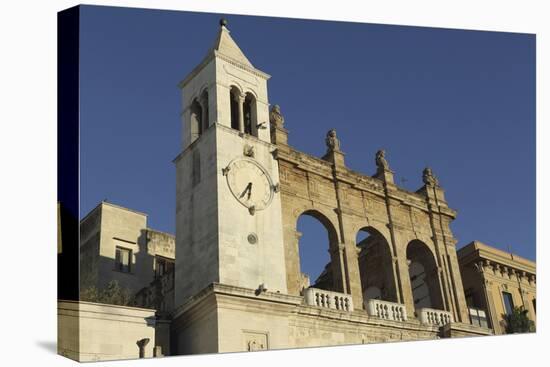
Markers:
{"x": 315, "y": 236}
{"x": 424, "y": 277}
{"x": 250, "y": 115}
{"x": 234, "y": 97}
{"x": 204, "y": 104}
{"x": 196, "y": 120}
{"x": 375, "y": 266}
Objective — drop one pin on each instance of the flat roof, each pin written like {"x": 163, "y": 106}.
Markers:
{"x": 103, "y": 202}
{"x": 480, "y": 250}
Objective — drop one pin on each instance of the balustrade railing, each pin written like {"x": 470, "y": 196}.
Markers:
{"x": 327, "y": 299}
{"x": 431, "y": 316}
{"x": 386, "y": 310}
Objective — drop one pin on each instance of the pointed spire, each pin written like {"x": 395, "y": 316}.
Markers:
{"x": 226, "y": 46}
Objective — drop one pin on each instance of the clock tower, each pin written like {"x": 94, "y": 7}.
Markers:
{"x": 228, "y": 207}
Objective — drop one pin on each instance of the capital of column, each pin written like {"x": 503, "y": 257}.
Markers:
{"x": 337, "y": 247}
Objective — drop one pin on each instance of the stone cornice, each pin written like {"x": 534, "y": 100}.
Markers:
{"x": 224, "y": 289}
{"x": 213, "y": 55}
{"x": 476, "y": 252}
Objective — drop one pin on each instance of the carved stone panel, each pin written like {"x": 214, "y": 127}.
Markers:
{"x": 254, "y": 341}
{"x": 283, "y": 174}
{"x": 313, "y": 186}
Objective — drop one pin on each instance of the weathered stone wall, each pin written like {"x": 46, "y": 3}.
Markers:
{"x": 90, "y": 231}
{"x": 237, "y": 319}
{"x": 109, "y": 226}
{"x": 124, "y": 228}
{"x": 197, "y": 255}
{"x": 97, "y": 332}
{"x": 346, "y": 202}
{"x": 244, "y": 263}
{"x": 194, "y": 327}
{"x": 161, "y": 243}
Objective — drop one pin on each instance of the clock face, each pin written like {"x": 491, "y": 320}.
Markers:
{"x": 250, "y": 183}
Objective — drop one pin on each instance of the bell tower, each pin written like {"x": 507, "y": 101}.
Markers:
{"x": 226, "y": 89}
{"x": 228, "y": 209}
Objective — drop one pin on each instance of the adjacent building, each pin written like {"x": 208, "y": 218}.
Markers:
{"x": 495, "y": 282}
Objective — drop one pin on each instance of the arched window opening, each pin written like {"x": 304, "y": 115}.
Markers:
{"x": 423, "y": 276}
{"x": 204, "y": 104}
{"x": 375, "y": 266}
{"x": 234, "y": 96}
{"x": 250, "y": 115}
{"x": 196, "y": 120}
{"x": 315, "y": 234}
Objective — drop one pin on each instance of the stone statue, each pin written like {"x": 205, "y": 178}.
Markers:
{"x": 428, "y": 177}
{"x": 332, "y": 142}
{"x": 275, "y": 117}
{"x": 381, "y": 162}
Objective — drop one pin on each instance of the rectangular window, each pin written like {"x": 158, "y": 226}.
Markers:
{"x": 123, "y": 259}
{"x": 478, "y": 317}
{"x": 163, "y": 265}
{"x": 535, "y": 305}
{"x": 508, "y": 302}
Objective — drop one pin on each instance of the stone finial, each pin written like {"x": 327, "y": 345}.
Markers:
{"x": 332, "y": 142}
{"x": 223, "y": 22}
{"x": 428, "y": 177}
{"x": 381, "y": 162}
{"x": 275, "y": 117}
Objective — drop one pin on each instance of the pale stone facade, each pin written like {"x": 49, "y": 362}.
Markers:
{"x": 211, "y": 225}
{"x": 240, "y": 190}
{"x": 108, "y": 227}
{"x": 97, "y": 332}
{"x": 490, "y": 275}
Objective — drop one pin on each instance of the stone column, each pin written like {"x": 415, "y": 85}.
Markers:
{"x": 402, "y": 269}
{"x": 458, "y": 286}
{"x": 351, "y": 258}
{"x": 338, "y": 268}
{"x": 293, "y": 266}
{"x": 241, "y": 112}
{"x": 204, "y": 115}
{"x": 491, "y": 307}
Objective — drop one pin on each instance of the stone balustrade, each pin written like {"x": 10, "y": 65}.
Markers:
{"x": 327, "y": 299}
{"x": 386, "y": 310}
{"x": 431, "y": 316}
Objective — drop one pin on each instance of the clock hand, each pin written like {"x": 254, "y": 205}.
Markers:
{"x": 247, "y": 188}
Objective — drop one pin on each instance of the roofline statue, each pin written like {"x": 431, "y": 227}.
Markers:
{"x": 276, "y": 119}
{"x": 332, "y": 142}
{"x": 429, "y": 178}
{"x": 381, "y": 162}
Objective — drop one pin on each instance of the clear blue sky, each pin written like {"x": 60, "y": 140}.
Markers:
{"x": 462, "y": 102}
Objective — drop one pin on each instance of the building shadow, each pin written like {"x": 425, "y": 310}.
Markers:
{"x": 48, "y": 345}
